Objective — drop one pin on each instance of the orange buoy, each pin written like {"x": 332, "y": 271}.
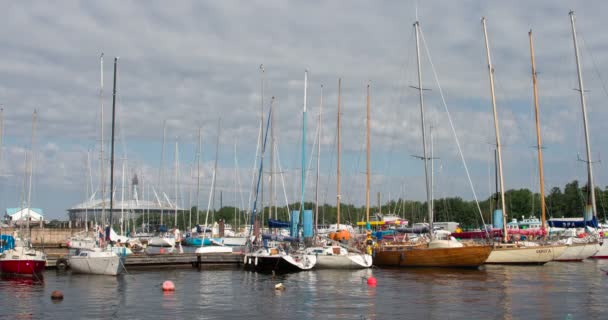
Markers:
{"x": 371, "y": 281}
{"x": 168, "y": 286}
{"x": 56, "y": 295}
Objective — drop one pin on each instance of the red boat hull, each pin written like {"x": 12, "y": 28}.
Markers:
{"x": 22, "y": 267}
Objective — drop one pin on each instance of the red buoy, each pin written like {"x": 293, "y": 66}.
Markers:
{"x": 371, "y": 281}
{"x": 168, "y": 286}
{"x": 57, "y": 295}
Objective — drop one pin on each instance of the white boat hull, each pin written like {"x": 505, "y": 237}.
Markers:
{"x": 102, "y": 263}
{"x": 525, "y": 255}
{"x": 213, "y": 249}
{"x": 579, "y": 251}
{"x": 602, "y": 253}
{"x": 235, "y": 241}
{"x": 349, "y": 261}
{"x": 87, "y": 243}
{"x": 161, "y": 242}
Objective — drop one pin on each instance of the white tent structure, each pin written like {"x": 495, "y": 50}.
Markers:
{"x": 20, "y": 215}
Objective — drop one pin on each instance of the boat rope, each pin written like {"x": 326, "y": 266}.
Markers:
{"x": 445, "y": 106}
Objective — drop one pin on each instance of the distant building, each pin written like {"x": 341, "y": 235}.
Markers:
{"x": 130, "y": 208}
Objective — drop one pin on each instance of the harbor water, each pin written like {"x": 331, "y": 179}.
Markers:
{"x": 554, "y": 291}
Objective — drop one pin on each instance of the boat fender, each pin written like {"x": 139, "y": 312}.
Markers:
{"x": 61, "y": 264}
{"x": 249, "y": 260}
{"x": 401, "y": 257}
{"x": 245, "y": 260}
{"x": 256, "y": 261}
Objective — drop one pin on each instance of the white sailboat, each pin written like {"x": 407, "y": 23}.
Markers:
{"x": 336, "y": 256}
{"x": 520, "y": 252}
{"x": 97, "y": 260}
{"x": 579, "y": 249}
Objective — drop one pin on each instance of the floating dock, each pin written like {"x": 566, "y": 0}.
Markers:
{"x": 159, "y": 260}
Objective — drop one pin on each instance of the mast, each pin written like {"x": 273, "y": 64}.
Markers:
{"x": 367, "y": 179}
{"x": 198, "y": 174}
{"x": 102, "y": 171}
{"x": 303, "y": 179}
{"x": 29, "y": 191}
{"x": 86, "y": 208}
{"x": 212, "y": 191}
{"x": 261, "y": 138}
{"x": 424, "y": 152}
{"x": 497, "y": 131}
{"x": 271, "y": 192}
{"x": 318, "y": 165}
{"x": 538, "y": 139}
{"x": 160, "y": 170}
{"x": 590, "y": 200}
{"x": 176, "y": 180}
{"x": 122, "y": 205}
{"x": 112, "y": 151}
{"x": 432, "y": 159}
{"x": 338, "y": 165}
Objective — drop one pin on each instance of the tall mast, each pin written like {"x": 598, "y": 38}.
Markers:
{"x": 102, "y": 171}
{"x": 318, "y": 164}
{"x": 122, "y": 205}
{"x": 367, "y": 179}
{"x": 538, "y": 139}
{"x": 160, "y": 171}
{"x": 432, "y": 159}
{"x": 338, "y": 165}
{"x": 29, "y": 191}
{"x": 176, "y": 180}
{"x": 424, "y": 153}
{"x": 581, "y": 90}
{"x": 271, "y": 171}
{"x": 112, "y": 152}
{"x": 497, "y": 130}
{"x": 303, "y": 179}
{"x": 198, "y": 174}
{"x": 261, "y": 141}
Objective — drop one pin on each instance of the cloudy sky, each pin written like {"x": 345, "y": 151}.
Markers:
{"x": 190, "y": 63}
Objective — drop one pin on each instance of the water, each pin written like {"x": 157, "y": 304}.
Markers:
{"x": 553, "y": 291}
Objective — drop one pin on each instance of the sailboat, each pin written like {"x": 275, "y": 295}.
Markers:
{"x": 332, "y": 255}
{"x": 519, "y": 252}
{"x": 98, "y": 260}
{"x": 163, "y": 239}
{"x": 439, "y": 251}
{"x": 22, "y": 259}
{"x": 579, "y": 249}
{"x": 281, "y": 259}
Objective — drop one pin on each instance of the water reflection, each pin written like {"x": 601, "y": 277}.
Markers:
{"x": 493, "y": 292}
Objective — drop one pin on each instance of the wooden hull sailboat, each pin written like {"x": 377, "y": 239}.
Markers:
{"x": 422, "y": 255}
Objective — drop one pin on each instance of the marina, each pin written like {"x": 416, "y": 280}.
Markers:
{"x": 370, "y": 161}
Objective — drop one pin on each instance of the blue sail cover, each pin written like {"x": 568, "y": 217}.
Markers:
{"x": 6, "y": 242}
{"x": 278, "y": 224}
{"x": 278, "y": 237}
{"x": 572, "y": 222}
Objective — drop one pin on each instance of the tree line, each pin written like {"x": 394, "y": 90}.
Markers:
{"x": 568, "y": 201}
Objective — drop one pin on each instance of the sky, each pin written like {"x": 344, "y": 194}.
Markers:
{"x": 190, "y": 64}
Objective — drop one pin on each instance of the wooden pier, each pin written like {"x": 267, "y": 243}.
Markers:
{"x": 161, "y": 260}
